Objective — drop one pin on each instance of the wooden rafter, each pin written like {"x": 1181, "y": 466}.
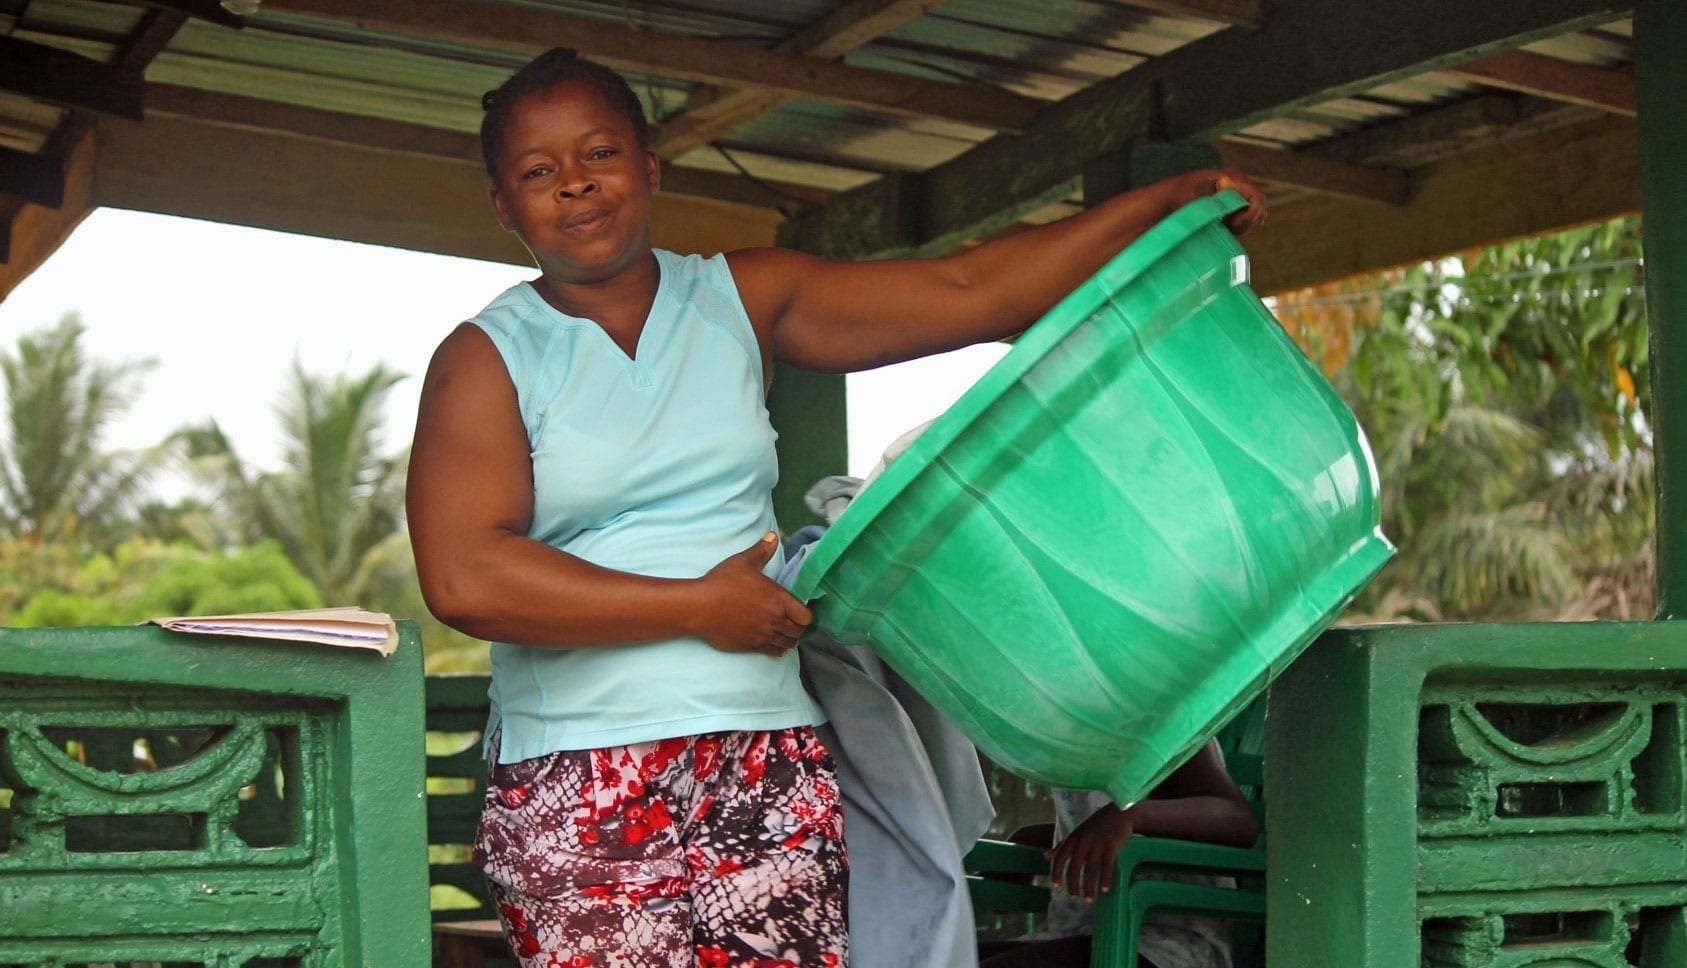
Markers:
{"x": 1536, "y": 184}
{"x": 40, "y": 179}
{"x": 1449, "y": 129}
{"x": 530, "y": 31}
{"x": 1237, "y": 13}
{"x": 9, "y": 211}
{"x": 68, "y": 79}
{"x": 31, "y": 177}
{"x": 29, "y": 234}
{"x": 151, "y": 35}
{"x": 1559, "y": 80}
{"x": 711, "y": 110}
{"x": 378, "y": 134}
{"x": 181, "y": 166}
{"x": 1429, "y": 130}
{"x": 1306, "y": 53}
{"x": 1390, "y": 186}
{"x": 211, "y": 11}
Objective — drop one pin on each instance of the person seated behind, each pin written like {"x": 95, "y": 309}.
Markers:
{"x": 1198, "y": 801}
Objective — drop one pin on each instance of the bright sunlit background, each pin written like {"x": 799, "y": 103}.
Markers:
{"x": 224, "y": 311}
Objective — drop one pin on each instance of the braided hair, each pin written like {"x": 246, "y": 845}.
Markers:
{"x": 555, "y": 67}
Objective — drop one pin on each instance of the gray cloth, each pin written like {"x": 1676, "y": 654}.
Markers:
{"x": 914, "y": 801}
{"x": 914, "y": 795}
{"x": 829, "y": 496}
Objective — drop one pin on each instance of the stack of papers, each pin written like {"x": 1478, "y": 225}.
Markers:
{"x": 351, "y": 628}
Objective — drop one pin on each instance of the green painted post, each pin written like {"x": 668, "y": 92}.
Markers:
{"x": 1660, "y": 37}
{"x": 1479, "y": 796}
{"x": 163, "y": 853}
{"x": 809, "y": 411}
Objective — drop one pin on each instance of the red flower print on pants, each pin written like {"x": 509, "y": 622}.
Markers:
{"x": 755, "y": 760}
{"x": 708, "y": 757}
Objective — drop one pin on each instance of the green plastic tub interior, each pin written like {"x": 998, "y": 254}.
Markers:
{"x": 854, "y": 574}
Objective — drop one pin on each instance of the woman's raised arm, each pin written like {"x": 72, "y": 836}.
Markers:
{"x": 846, "y": 316}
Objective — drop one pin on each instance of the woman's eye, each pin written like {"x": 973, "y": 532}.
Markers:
{"x": 601, "y": 154}
{"x": 534, "y": 172}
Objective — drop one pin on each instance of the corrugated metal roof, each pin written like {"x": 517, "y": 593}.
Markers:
{"x": 1043, "y": 49}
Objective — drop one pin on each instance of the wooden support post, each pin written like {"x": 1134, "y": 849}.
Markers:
{"x": 1660, "y": 34}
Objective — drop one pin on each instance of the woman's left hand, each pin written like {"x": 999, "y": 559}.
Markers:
{"x": 1215, "y": 181}
{"x": 1211, "y": 181}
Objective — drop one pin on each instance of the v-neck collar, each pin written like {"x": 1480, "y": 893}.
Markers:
{"x": 636, "y": 365}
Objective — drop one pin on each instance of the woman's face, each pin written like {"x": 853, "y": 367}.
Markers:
{"x": 574, "y": 184}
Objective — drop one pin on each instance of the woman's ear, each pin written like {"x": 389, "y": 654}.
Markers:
{"x": 499, "y": 207}
{"x": 653, "y": 169}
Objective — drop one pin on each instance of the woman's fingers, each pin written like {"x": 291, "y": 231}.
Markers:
{"x": 1254, "y": 215}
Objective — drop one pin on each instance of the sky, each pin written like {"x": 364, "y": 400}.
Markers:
{"x": 224, "y": 311}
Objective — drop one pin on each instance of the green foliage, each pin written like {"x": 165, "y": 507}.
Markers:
{"x": 1504, "y": 394}
{"x": 253, "y": 579}
{"x": 336, "y": 501}
{"x": 56, "y": 480}
{"x": 142, "y": 579}
{"x": 335, "y": 508}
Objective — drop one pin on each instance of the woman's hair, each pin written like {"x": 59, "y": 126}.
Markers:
{"x": 557, "y": 66}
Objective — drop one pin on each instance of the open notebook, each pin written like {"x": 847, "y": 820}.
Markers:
{"x": 348, "y": 627}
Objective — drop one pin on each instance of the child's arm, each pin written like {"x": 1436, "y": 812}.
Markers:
{"x": 847, "y": 316}
{"x": 1198, "y": 801}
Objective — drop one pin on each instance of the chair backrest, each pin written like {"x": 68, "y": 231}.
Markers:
{"x": 1242, "y": 741}
{"x": 456, "y": 720}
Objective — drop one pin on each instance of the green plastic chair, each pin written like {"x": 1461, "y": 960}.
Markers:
{"x": 1136, "y": 891}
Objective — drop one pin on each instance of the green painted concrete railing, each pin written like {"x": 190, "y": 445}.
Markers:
{"x": 1460, "y": 796}
{"x": 1479, "y": 796}
{"x": 209, "y": 802}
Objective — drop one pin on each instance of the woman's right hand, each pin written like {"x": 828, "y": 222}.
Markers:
{"x": 743, "y": 610}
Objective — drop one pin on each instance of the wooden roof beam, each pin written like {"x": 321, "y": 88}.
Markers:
{"x": 530, "y": 31}
{"x": 32, "y": 178}
{"x": 211, "y": 11}
{"x": 711, "y": 111}
{"x": 151, "y": 35}
{"x": 1248, "y": 14}
{"x": 1306, "y": 53}
{"x": 29, "y": 234}
{"x": 68, "y": 80}
{"x": 1298, "y": 169}
{"x": 268, "y": 179}
{"x": 254, "y": 114}
{"x": 1438, "y": 127}
{"x": 1558, "y": 80}
{"x": 1526, "y": 187}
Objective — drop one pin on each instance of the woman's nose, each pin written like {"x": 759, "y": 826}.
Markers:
{"x": 576, "y": 186}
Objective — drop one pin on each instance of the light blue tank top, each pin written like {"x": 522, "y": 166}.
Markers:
{"x": 660, "y": 465}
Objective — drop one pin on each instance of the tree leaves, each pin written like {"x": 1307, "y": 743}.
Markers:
{"x": 57, "y": 480}
{"x": 1504, "y": 394}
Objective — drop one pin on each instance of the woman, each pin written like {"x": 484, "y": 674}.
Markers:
{"x": 590, "y": 489}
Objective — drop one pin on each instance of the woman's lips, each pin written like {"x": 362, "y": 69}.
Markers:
{"x": 589, "y": 219}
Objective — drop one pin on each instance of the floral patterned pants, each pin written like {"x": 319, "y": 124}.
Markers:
{"x": 718, "y": 850}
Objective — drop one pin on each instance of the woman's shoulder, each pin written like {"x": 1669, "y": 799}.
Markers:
{"x": 692, "y": 269}
{"x": 510, "y": 310}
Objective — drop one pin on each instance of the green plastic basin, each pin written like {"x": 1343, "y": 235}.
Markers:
{"x": 1123, "y": 531}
